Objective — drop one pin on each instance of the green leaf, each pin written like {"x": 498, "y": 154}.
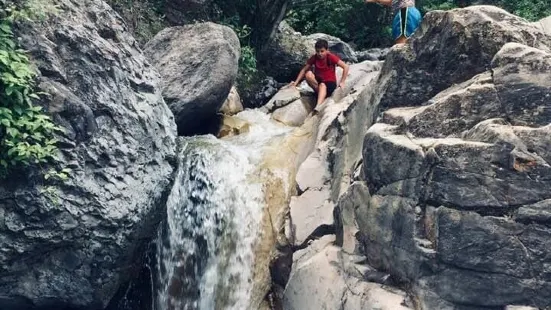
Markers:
{"x": 11, "y": 151}
{"x": 9, "y": 90}
{"x": 18, "y": 109}
{"x": 5, "y": 28}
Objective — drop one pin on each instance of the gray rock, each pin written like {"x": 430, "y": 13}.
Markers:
{"x": 452, "y": 111}
{"x": 535, "y": 213}
{"x": 545, "y": 24}
{"x": 233, "y": 104}
{"x": 288, "y": 51}
{"x": 470, "y": 37}
{"x": 520, "y": 308}
{"x": 521, "y": 76}
{"x": 296, "y": 112}
{"x": 373, "y": 54}
{"x": 71, "y": 244}
{"x": 260, "y": 93}
{"x": 198, "y": 65}
{"x": 311, "y": 215}
{"x": 283, "y": 97}
{"x": 460, "y": 205}
{"x": 336, "y": 46}
{"x": 346, "y": 227}
{"x": 312, "y": 173}
{"x": 324, "y": 278}
{"x": 516, "y": 89}
{"x": 501, "y": 262}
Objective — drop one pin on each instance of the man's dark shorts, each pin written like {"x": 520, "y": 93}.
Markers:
{"x": 331, "y": 86}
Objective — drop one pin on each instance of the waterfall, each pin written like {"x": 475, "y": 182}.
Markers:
{"x": 205, "y": 247}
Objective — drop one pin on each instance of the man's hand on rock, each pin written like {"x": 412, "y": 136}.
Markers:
{"x": 341, "y": 84}
{"x": 293, "y": 83}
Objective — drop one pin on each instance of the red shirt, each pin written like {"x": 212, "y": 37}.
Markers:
{"x": 324, "y": 68}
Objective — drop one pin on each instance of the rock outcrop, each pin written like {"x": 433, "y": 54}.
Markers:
{"x": 451, "y": 47}
{"x": 70, "y": 244}
{"x": 198, "y": 65}
{"x": 325, "y": 277}
{"x": 450, "y": 198}
{"x": 454, "y": 188}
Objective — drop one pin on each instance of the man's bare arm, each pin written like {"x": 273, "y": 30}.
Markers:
{"x": 344, "y": 72}
{"x": 301, "y": 75}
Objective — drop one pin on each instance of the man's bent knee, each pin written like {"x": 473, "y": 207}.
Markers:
{"x": 310, "y": 75}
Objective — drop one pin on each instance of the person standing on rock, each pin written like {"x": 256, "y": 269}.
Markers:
{"x": 406, "y": 18}
{"x": 320, "y": 72}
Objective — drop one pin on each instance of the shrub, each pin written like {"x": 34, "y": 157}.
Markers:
{"x": 26, "y": 132}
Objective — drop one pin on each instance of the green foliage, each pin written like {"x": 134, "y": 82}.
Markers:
{"x": 431, "y": 5}
{"x": 247, "y": 61}
{"x": 144, "y": 18}
{"x": 532, "y": 10}
{"x": 26, "y": 133}
{"x": 53, "y": 174}
{"x": 368, "y": 25}
{"x": 248, "y": 72}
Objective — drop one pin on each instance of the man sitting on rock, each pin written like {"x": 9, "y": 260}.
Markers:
{"x": 320, "y": 73}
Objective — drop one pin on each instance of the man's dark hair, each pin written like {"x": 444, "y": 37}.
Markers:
{"x": 321, "y": 43}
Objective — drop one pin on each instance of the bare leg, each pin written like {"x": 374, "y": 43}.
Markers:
{"x": 322, "y": 93}
{"x": 311, "y": 80}
{"x": 401, "y": 40}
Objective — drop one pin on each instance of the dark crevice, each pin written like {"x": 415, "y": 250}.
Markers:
{"x": 319, "y": 232}
{"x": 210, "y": 125}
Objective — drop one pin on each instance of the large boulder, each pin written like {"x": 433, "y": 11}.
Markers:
{"x": 372, "y": 54}
{"x": 451, "y": 47}
{"x": 198, "y": 65}
{"x": 70, "y": 244}
{"x": 336, "y": 46}
{"x": 460, "y": 210}
{"x": 288, "y": 50}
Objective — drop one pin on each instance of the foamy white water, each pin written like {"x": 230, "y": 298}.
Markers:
{"x": 205, "y": 250}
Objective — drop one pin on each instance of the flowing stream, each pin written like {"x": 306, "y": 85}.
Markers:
{"x": 205, "y": 250}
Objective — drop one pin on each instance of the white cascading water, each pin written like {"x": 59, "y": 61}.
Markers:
{"x": 205, "y": 248}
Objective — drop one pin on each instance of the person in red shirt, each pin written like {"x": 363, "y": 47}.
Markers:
{"x": 322, "y": 78}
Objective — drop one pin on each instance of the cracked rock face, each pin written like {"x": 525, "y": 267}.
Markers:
{"x": 324, "y": 277}
{"x": 459, "y": 187}
{"x": 71, "y": 244}
{"x": 451, "y": 47}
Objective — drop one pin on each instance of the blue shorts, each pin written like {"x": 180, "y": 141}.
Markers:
{"x": 406, "y": 21}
